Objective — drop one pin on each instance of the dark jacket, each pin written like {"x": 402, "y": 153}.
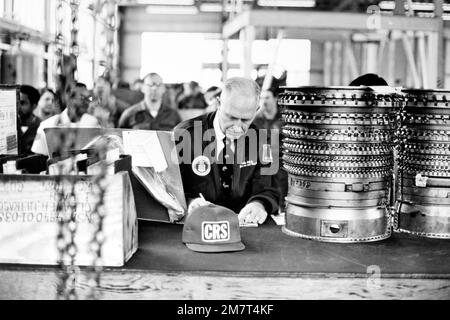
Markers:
{"x": 138, "y": 117}
{"x": 248, "y": 183}
{"x": 196, "y": 101}
{"x": 27, "y": 133}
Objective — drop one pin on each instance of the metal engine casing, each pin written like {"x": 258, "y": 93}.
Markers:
{"x": 338, "y": 152}
{"x": 423, "y": 197}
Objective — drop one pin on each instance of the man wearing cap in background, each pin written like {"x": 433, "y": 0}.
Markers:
{"x": 223, "y": 177}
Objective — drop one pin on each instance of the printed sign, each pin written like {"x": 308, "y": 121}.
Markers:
{"x": 8, "y": 121}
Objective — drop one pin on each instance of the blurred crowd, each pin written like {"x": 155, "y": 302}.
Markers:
{"x": 147, "y": 104}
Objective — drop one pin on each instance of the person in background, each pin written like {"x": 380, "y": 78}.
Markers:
{"x": 28, "y": 122}
{"x": 212, "y": 98}
{"x": 194, "y": 99}
{"x": 106, "y": 107}
{"x": 121, "y": 84}
{"x": 47, "y": 104}
{"x": 138, "y": 85}
{"x": 152, "y": 113}
{"x": 123, "y": 92}
{"x": 373, "y": 80}
{"x": 369, "y": 79}
{"x": 74, "y": 116}
{"x": 269, "y": 118}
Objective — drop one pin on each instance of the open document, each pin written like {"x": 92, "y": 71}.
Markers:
{"x": 152, "y": 166}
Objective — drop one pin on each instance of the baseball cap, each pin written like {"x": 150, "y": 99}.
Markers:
{"x": 212, "y": 228}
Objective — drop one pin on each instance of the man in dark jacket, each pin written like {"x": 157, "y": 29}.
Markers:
{"x": 225, "y": 159}
{"x": 28, "y": 122}
{"x": 151, "y": 113}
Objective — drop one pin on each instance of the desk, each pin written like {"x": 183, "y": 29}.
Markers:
{"x": 273, "y": 266}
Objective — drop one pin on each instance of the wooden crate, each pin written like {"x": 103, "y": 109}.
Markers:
{"x": 29, "y": 227}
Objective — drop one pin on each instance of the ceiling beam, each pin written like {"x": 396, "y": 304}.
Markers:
{"x": 135, "y": 19}
{"x": 324, "y": 20}
{"x": 24, "y": 32}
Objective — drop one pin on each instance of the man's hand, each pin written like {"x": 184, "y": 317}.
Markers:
{"x": 254, "y": 212}
{"x": 197, "y": 202}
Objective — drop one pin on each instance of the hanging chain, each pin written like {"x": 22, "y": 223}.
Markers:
{"x": 74, "y": 45}
{"x": 108, "y": 12}
{"x": 67, "y": 202}
{"x": 97, "y": 217}
{"x": 65, "y": 188}
{"x": 65, "y": 275}
{"x": 399, "y": 144}
{"x": 67, "y": 223}
{"x": 59, "y": 52}
{"x": 111, "y": 32}
{"x": 59, "y": 37}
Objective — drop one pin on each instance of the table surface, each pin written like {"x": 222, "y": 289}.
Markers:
{"x": 273, "y": 266}
{"x": 269, "y": 250}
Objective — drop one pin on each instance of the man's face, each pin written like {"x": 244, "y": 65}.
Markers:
{"x": 153, "y": 88}
{"x": 236, "y": 113}
{"x": 47, "y": 102}
{"x": 268, "y": 104}
{"x": 25, "y": 105}
{"x": 79, "y": 101}
{"x": 211, "y": 99}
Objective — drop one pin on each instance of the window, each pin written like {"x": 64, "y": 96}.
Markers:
{"x": 30, "y": 13}
{"x": 182, "y": 57}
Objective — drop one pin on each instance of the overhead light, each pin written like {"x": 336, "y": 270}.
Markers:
{"x": 168, "y": 2}
{"x": 215, "y": 7}
{"x": 171, "y": 10}
{"x": 211, "y": 7}
{"x": 287, "y": 3}
{"x": 386, "y": 5}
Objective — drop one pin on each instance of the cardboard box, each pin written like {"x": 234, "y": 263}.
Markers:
{"x": 28, "y": 219}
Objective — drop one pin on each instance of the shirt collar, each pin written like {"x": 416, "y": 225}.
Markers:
{"x": 64, "y": 118}
{"x": 219, "y": 134}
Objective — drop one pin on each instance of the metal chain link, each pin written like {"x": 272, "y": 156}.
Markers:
{"x": 67, "y": 203}
{"x": 111, "y": 20}
{"x": 67, "y": 224}
{"x": 74, "y": 46}
{"x": 98, "y": 215}
{"x": 59, "y": 37}
{"x": 109, "y": 10}
{"x": 59, "y": 47}
{"x": 98, "y": 239}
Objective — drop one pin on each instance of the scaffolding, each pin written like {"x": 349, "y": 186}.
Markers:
{"x": 355, "y": 43}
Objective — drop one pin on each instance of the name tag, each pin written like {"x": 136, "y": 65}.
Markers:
{"x": 247, "y": 164}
